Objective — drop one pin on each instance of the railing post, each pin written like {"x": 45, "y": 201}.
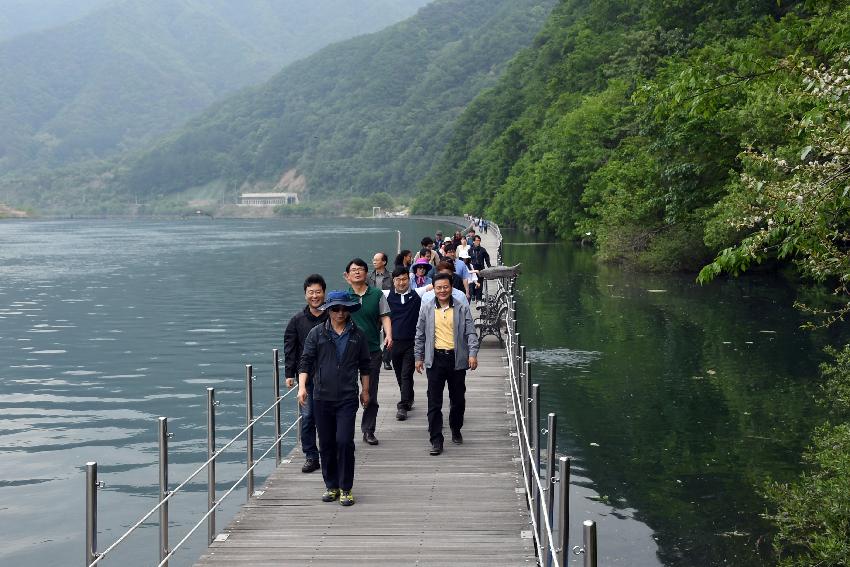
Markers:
{"x": 563, "y": 509}
{"x": 589, "y": 543}
{"x": 297, "y": 415}
{"x": 534, "y": 431}
{"x": 91, "y": 512}
{"x": 550, "y": 472}
{"x": 163, "y": 488}
{"x": 526, "y": 387}
{"x": 277, "y": 444}
{"x": 249, "y": 418}
{"x": 211, "y": 503}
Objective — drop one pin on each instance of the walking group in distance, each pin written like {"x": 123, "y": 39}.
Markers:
{"x": 415, "y": 318}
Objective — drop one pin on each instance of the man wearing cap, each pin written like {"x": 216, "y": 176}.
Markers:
{"x": 404, "y": 312}
{"x": 293, "y": 345}
{"x": 447, "y": 345}
{"x": 335, "y": 352}
{"x": 373, "y": 317}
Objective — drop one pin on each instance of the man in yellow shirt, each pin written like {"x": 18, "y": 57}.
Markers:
{"x": 446, "y": 345}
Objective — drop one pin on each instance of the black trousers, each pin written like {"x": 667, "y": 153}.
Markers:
{"x": 335, "y": 424}
{"x": 403, "y": 366}
{"x": 370, "y": 414}
{"x": 443, "y": 372}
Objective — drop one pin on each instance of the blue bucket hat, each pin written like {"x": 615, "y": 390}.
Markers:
{"x": 343, "y": 298}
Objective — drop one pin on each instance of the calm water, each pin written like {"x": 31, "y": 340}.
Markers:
{"x": 675, "y": 403}
{"x": 676, "y": 400}
{"x": 104, "y": 326}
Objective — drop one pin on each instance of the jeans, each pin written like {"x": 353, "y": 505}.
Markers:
{"x": 335, "y": 424}
{"x": 443, "y": 372}
{"x": 370, "y": 413}
{"x": 403, "y": 365}
{"x": 308, "y": 426}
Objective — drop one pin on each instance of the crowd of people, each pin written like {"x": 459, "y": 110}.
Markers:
{"x": 413, "y": 318}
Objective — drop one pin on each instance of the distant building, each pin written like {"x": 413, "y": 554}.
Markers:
{"x": 267, "y": 199}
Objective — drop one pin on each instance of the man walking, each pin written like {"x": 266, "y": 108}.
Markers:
{"x": 447, "y": 345}
{"x": 293, "y": 345}
{"x": 480, "y": 260}
{"x": 404, "y": 312}
{"x": 460, "y": 268}
{"x": 335, "y": 352}
{"x": 382, "y": 279}
{"x": 371, "y": 318}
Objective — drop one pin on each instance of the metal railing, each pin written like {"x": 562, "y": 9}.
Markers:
{"x": 93, "y": 557}
{"x": 551, "y": 538}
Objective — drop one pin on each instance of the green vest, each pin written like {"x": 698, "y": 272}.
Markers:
{"x": 368, "y": 317}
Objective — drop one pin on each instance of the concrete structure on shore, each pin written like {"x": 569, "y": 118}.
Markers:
{"x": 267, "y": 199}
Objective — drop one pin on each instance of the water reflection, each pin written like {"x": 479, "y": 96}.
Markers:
{"x": 677, "y": 400}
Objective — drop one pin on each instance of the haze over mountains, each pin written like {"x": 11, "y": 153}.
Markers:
{"x": 18, "y": 17}
{"x": 366, "y": 115}
{"x": 129, "y": 70}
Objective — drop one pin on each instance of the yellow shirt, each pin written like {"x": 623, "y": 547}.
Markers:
{"x": 444, "y": 327}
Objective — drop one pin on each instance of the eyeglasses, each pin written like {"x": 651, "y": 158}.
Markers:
{"x": 356, "y": 270}
{"x": 337, "y": 308}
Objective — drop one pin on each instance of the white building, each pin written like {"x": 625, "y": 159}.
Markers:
{"x": 267, "y": 199}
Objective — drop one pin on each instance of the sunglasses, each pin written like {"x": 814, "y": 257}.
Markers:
{"x": 337, "y": 308}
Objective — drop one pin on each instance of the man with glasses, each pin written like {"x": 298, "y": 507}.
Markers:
{"x": 372, "y": 317}
{"x": 293, "y": 345}
{"x": 335, "y": 352}
{"x": 404, "y": 311}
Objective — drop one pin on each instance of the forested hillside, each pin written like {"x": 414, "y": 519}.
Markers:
{"x": 126, "y": 73}
{"x": 625, "y": 122}
{"x": 363, "y": 116}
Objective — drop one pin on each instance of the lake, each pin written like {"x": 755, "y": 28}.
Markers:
{"x": 675, "y": 400}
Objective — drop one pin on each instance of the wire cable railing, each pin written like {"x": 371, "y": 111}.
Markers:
{"x": 540, "y": 484}
{"x": 94, "y": 558}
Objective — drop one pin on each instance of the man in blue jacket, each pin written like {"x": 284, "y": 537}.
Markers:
{"x": 447, "y": 345}
{"x": 335, "y": 352}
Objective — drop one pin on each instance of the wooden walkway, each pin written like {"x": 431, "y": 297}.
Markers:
{"x": 458, "y": 508}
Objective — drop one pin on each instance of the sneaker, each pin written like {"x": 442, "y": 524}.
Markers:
{"x": 330, "y": 495}
{"x": 370, "y": 438}
{"x": 310, "y": 465}
{"x": 436, "y": 449}
{"x": 401, "y": 414}
{"x": 346, "y": 498}
{"x": 388, "y": 366}
{"x": 457, "y": 438}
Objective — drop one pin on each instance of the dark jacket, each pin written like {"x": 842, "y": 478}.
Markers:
{"x": 404, "y": 315}
{"x": 480, "y": 257}
{"x": 386, "y": 282}
{"x": 294, "y": 337}
{"x": 334, "y": 379}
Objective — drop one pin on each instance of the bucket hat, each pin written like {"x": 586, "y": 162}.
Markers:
{"x": 421, "y": 262}
{"x": 343, "y": 298}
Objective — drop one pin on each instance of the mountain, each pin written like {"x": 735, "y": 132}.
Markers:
{"x": 362, "y": 116}
{"x": 18, "y": 17}
{"x": 130, "y": 71}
